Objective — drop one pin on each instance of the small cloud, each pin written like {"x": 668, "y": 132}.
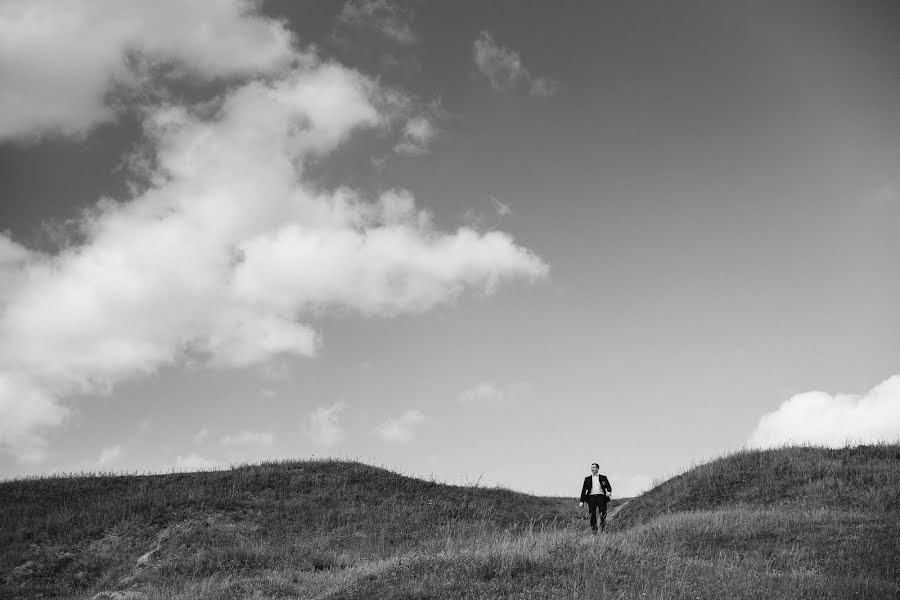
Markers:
{"x": 400, "y": 429}
{"x": 201, "y": 436}
{"x": 486, "y": 393}
{"x": 481, "y": 394}
{"x": 417, "y": 135}
{"x": 323, "y": 426}
{"x": 503, "y": 210}
{"x": 834, "y": 420}
{"x": 543, "y": 87}
{"x": 887, "y": 196}
{"x": 504, "y": 68}
{"x": 268, "y": 393}
{"x": 382, "y": 15}
{"x": 194, "y": 462}
{"x": 108, "y": 456}
{"x": 249, "y": 438}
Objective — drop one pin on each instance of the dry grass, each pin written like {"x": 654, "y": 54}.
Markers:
{"x": 790, "y": 523}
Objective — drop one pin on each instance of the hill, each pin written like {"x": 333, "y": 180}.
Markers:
{"x": 285, "y": 526}
{"x": 786, "y": 523}
{"x": 863, "y": 479}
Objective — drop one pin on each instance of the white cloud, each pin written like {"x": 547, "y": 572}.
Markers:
{"x": 249, "y": 438}
{"x": 543, "y": 87}
{"x": 108, "y": 456}
{"x": 833, "y": 420}
{"x": 400, "y": 429}
{"x": 383, "y": 15}
{"x": 418, "y": 133}
{"x": 201, "y": 436}
{"x": 229, "y": 253}
{"x": 323, "y": 426}
{"x": 503, "y": 210}
{"x": 504, "y": 68}
{"x": 485, "y": 393}
{"x": 26, "y": 410}
{"x": 194, "y": 462}
{"x": 59, "y": 61}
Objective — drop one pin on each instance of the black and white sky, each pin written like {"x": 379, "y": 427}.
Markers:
{"x": 458, "y": 239}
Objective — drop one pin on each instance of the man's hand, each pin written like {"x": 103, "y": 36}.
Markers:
{"x": 581, "y": 504}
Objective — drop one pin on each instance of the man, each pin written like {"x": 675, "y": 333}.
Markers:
{"x": 595, "y": 492}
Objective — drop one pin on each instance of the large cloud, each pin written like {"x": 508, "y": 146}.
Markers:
{"x": 833, "y": 420}
{"x": 59, "y": 61}
{"x": 229, "y": 252}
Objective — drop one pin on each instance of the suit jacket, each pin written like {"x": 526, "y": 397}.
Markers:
{"x": 586, "y": 486}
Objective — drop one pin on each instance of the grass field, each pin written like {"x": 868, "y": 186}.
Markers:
{"x": 788, "y": 523}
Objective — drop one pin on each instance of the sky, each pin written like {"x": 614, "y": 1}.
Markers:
{"x": 484, "y": 243}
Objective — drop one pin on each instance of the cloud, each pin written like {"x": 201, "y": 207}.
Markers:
{"x": 382, "y": 15}
{"x": 833, "y": 420}
{"x": 323, "y": 426}
{"x": 249, "y": 438}
{"x": 59, "y": 62}
{"x": 194, "y": 462}
{"x": 485, "y": 393}
{"x": 504, "y": 68}
{"x": 418, "y": 133}
{"x": 399, "y": 430}
{"x": 109, "y": 456}
{"x": 227, "y": 253}
{"x": 503, "y": 210}
{"x": 26, "y": 410}
{"x": 201, "y": 436}
{"x": 543, "y": 87}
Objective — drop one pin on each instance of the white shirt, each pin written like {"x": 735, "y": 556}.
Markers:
{"x": 595, "y": 485}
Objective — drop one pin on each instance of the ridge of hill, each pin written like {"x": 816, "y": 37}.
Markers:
{"x": 786, "y": 523}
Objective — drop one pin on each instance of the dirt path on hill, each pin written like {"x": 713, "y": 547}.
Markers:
{"x": 613, "y": 512}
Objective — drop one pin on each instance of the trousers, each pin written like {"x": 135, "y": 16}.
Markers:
{"x": 597, "y": 503}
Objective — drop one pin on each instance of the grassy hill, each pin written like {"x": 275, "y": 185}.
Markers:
{"x": 286, "y": 528}
{"x": 788, "y": 523}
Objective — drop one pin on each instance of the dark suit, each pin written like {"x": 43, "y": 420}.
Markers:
{"x": 596, "y": 502}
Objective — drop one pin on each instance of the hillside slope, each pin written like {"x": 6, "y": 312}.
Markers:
{"x": 787, "y": 523}
{"x": 862, "y": 479}
{"x": 69, "y": 536}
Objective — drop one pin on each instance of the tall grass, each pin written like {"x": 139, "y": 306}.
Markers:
{"x": 789, "y": 523}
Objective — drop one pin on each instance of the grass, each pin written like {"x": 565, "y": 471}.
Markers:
{"x": 786, "y": 523}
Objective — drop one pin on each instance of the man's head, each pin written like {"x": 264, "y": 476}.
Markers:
{"x": 594, "y": 468}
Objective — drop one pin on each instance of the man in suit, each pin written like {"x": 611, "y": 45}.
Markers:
{"x": 595, "y": 492}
